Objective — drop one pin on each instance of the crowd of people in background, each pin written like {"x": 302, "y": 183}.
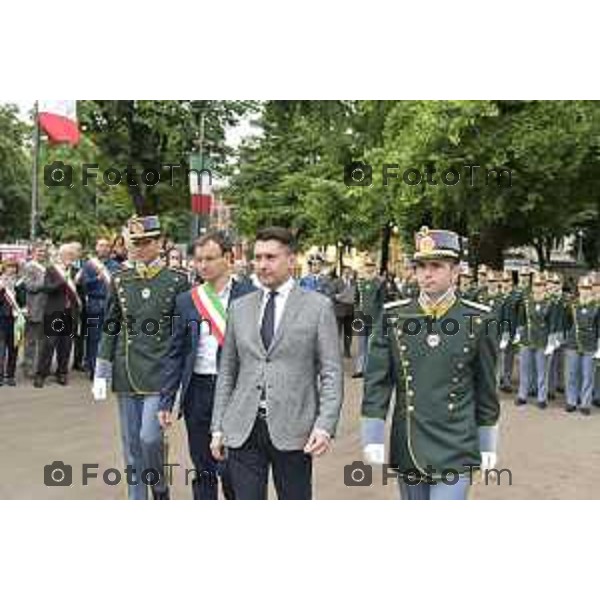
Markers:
{"x": 553, "y": 324}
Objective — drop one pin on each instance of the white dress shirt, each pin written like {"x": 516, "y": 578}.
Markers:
{"x": 206, "y": 356}
{"x": 283, "y": 291}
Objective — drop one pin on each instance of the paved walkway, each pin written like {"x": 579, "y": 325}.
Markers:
{"x": 551, "y": 454}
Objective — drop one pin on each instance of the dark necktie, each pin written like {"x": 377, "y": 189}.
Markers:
{"x": 267, "y": 329}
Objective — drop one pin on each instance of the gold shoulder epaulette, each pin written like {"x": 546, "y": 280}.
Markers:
{"x": 476, "y": 305}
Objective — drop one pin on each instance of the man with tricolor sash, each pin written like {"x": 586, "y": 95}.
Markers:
{"x": 192, "y": 362}
{"x": 94, "y": 280}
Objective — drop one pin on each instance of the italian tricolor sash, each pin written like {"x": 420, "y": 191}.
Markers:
{"x": 209, "y": 305}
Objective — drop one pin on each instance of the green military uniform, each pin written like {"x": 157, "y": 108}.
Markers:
{"x": 442, "y": 371}
{"x": 135, "y": 339}
{"x": 537, "y": 329}
{"x": 445, "y": 385}
{"x": 581, "y": 343}
{"x": 148, "y": 296}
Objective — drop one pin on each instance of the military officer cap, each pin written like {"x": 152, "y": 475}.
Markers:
{"x": 465, "y": 271}
{"x": 585, "y": 283}
{"x": 143, "y": 227}
{"x": 507, "y": 276}
{"x": 435, "y": 244}
{"x": 493, "y": 276}
{"x": 539, "y": 279}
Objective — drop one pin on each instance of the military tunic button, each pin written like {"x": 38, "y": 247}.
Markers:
{"x": 411, "y": 393}
{"x": 403, "y": 348}
{"x": 460, "y": 365}
{"x": 478, "y": 321}
{"x": 409, "y": 378}
{"x": 450, "y": 406}
{"x": 411, "y": 408}
{"x": 405, "y": 363}
{"x": 466, "y": 349}
{"x": 455, "y": 380}
{"x": 452, "y": 395}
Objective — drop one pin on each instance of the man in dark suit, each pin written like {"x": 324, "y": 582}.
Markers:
{"x": 192, "y": 361}
{"x": 344, "y": 291}
{"x": 60, "y": 310}
{"x": 280, "y": 386}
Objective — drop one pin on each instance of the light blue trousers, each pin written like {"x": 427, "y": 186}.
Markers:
{"x": 142, "y": 440}
{"x": 579, "y": 378}
{"x": 530, "y": 358}
{"x": 437, "y": 491}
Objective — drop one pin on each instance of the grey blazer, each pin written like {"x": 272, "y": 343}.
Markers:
{"x": 33, "y": 282}
{"x": 301, "y": 373}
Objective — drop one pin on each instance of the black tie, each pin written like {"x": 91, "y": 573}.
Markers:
{"x": 267, "y": 329}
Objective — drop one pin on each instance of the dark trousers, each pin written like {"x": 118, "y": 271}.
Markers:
{"x": 62, "y": 345}
{"x": 8, "y": 351}
{"x": 345, "y": 331}
{"x": 79, "y": 339}
{"x": 197, "y": 411}
{"x": 249, "y": 468}
{"x": 92, "y": 330}
{"x": 34, "y": 333}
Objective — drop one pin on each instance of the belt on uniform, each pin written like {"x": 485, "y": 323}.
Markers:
{"x": 205, "y": 376}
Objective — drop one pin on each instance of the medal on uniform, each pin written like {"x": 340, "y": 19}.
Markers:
{"x": 433, "y": 340}
{"x": 146, "y": 293}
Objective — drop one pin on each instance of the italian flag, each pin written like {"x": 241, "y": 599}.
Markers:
{"x": 58, "y": 119}
{"x": 200, "y": 186}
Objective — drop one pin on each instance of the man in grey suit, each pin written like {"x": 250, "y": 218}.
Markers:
{"x": 280, "y": 385}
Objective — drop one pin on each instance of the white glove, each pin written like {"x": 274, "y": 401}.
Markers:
{"x": 488, "y": 461}
{"x": 504, "y": 341}
{"x": 517, "y": 339}
{"x": 549, "y": 351}
{"x": 374, "y": 453}
{"x": 99, "y": 389}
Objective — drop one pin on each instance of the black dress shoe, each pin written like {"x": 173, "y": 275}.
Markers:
{"x": 520, "y": 402}
{"x": 357, "y": 375}
{"x": 38, "y": 381}
{"x": 1, "y": 380}
{"x": 585, "y": 410}
{"x": 507, "y": 389}
{"x": 11, "y": 382}
{"x": 570, "y": 408}
{"x": 61, "y": 379}
{"x": 596, "y": 403}
{"x": 542, "y": 405}
{"x": 161, "y": 495}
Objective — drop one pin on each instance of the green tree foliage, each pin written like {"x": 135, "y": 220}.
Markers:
{"x": 15, "y": 175}
{"x": 293, "y": 173}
